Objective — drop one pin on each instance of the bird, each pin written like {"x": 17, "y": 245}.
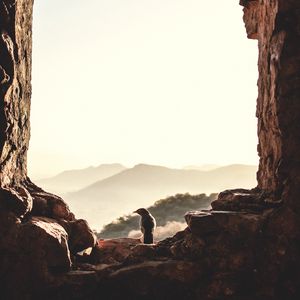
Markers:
{"x": 147, "y": 223}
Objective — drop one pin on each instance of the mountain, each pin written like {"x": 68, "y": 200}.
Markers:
{"x": 73, "y": 180}
{"x": 143, "y": 184}
{"x": 206, "y": 167}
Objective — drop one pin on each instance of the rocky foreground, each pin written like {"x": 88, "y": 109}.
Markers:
{"x": 221, "y": 254}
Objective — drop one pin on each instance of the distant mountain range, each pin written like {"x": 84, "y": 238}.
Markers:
{"x": 143, "y": 184}
{"x": 73, "y": 180}
{"x": 206, "y": 167}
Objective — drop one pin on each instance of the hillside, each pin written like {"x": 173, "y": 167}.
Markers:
{"x": 169, "y": 215}
{"x": 143, "y": 184}
{"x": 206, "y": 167}
{"x": 73, "y": 180}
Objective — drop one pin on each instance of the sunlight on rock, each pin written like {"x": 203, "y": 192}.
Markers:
{"x": 87, "y": 251}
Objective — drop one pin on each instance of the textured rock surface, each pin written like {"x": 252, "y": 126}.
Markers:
{"x": 81, "y": 236}
{"x": 113, "y": 251}
{"x": 32, "y": 253}
{"x": 276, "y": 26}
{"x": 47, "y": 238}
{"x": 232, "y": 261}
{"x": 15, "y": 92}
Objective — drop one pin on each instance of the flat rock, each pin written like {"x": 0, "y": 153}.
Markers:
{"x": 112, "y": 251}
{"x": 238, "y": 223}
{"x": 201, "y": 223}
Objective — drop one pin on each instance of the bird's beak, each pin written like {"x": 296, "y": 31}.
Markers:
{"x": 135, "y": 212}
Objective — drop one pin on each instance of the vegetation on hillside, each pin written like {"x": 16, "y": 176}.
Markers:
{"x": 165, "y": 211}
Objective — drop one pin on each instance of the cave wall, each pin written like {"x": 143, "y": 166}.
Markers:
{"x": 15, "y": 91}
{"x": 276, "y": 26}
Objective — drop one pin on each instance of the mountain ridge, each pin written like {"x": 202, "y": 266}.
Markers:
{"x": 143, "y": 184}
{"x": 76, "y": 179}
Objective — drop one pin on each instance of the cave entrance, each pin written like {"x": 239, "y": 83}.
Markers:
{"x": 155, "y": 83}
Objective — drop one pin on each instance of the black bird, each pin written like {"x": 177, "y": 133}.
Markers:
{"x": 147, "y": 224}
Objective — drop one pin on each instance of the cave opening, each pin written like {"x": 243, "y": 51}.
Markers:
{"x": 151, "y": 83}
{"x": 184, "y": 65}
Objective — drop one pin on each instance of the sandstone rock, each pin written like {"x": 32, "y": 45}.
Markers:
{"x": 253, "y": 200}
{"x": 9, "y": 225}
{"x": 49, "y": 205}
{"x": 189, "y": 247}
{"x": 81, "y": 236}
{"x": 238, "y": 200}
{"x": 153, "y": 280}
{"x": 250, "y": 17}
{"x": 113, "y": 250}
{"x": 33, "y": 254}
{"x": 276, "y": 26}
{"x": 17, "y": 200}
{"x": 237, "y": 223}
{"x": 201, "y": 223}
{"x": 45, "y": 245}
{"x": 15, "y": 91}
{"x": 146, "y": 251}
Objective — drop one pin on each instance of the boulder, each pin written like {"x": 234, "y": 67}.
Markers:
{"x": 113, "y": 250}
{"x": 235, "y": 223}
{"x": 201, "y": 223}
{"x": 45, "y": 244}
{"x": 81, "y": 236}
{"x": 239, "y": 199}
{"x": 36, "y": 252}
{"x": 49, "y": 205}
{"x": 17, "y": 200}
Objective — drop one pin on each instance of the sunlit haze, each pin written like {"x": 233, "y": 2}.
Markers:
{"x": 164, "y": 82}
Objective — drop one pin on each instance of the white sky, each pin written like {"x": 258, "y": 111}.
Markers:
{"x": 169, "y": 82}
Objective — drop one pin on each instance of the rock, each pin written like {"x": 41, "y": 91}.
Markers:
{"x": 276, "y": 26}
{"x": 237, "y": 223}
{"x": 15, "y": 91}
{"x": 146, "y": 251}
{"x": 189, "y": 247}
{"x": 253, "y": 200}
{"x": 153, "y": 280}
{"x": 9, "y": 225}
{"x": 112, "y": 251}
{"x": 45, "y": 245}
{"x": 49, "y": 205}
{"x": 238, "y": 200}
{"x": 251, "y": 18}
{"x": 81, "y": 236}
{"x": 17, "y": 200}
{"x": 34, "y": 253}
{"x": 201, "y": 223}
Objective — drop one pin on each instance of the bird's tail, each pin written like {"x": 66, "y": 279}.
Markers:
{"x": 148, "y": 237}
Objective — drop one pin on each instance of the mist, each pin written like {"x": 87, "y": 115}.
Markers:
{"x": 154, "y": 82}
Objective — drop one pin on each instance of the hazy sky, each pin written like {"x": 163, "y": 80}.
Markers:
{"x": 170, "y": 82}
